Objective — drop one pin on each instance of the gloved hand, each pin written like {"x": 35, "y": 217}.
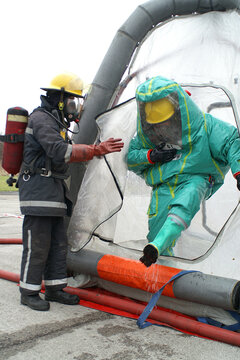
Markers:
{"x": 162, "y": 156}
{"x": 108, "y": 146}
{"x": 82, "y": 152}
{"x": 150, "y": 255}
{"x": 238, "y": 181}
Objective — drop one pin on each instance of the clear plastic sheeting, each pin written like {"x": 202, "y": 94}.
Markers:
{"x": 113, "y": 202}
{"x": 196, "y": 49}
{"x": 202, "y": 53}
{"x": 100, "y": 196}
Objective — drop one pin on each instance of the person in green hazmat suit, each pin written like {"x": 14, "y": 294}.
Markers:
{"x": 183, "y": 154}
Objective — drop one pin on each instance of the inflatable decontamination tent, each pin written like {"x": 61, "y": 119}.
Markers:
{"x": 196, "y": 44}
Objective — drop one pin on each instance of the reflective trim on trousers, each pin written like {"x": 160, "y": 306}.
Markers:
{"x": 28, "y": 256}
{"x": 52, "y": 204}
{"x": 30, "y": 286}
{"x": 55, "y": 282}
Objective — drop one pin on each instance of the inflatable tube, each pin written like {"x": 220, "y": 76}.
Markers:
{"x": 173, "y": 320}
{"x": 195, "y": 287}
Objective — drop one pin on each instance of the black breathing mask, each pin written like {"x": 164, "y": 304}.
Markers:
{"x": 72, "y": 108}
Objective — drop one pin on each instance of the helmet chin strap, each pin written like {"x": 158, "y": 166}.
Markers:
{"x": 65, "y": 122}
{"x": 61, "y": 102}
{"x": 61, "y": 106}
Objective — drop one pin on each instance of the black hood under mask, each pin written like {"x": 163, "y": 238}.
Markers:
{"x": 52, "y": 99}
{"x": 48, "y": 104}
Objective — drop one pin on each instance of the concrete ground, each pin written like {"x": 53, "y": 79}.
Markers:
{"x": 77, "y": 332}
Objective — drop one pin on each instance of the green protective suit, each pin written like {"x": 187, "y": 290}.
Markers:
{"x": 209, "y": 147}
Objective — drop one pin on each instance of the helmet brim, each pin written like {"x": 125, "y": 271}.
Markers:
{"x": 74, "y": 93}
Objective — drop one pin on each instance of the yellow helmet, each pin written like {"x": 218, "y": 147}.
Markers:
{"x": 159, "y": 111}
{"x": 69, "y": 83}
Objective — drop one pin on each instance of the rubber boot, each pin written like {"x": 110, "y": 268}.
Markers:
{"x": 61, "y": 297}
{"x": 35, "y": 302}
{"x": 167, "y": 236}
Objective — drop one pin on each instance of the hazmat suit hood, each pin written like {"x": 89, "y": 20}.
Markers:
{"x": 161, "y": 121}
{"x": 200, "y": 149}
{"x": 185, "y": 110}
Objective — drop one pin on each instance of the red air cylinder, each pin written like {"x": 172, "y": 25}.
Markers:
{"x": 16, "y": 124}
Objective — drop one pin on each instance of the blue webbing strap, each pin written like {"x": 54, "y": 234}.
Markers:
{"x": 141, "y": 321}
{"x": 233, "y": 327}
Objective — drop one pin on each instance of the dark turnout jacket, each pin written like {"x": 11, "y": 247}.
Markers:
{"x": 44, "y": 173}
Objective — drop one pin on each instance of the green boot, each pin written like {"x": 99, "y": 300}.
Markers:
{"x": 166, "y": 238}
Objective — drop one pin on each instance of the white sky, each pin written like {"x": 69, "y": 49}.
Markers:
{"x": 40, "y": 39}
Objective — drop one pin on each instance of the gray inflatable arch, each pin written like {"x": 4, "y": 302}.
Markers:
{"x": 117, "y": 59}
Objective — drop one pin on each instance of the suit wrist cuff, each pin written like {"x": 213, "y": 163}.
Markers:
{"x": 148, "y": 157}
{"x": 236, "y": 174}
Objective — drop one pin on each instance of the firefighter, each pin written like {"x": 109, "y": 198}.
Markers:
{"x": 43, "y": 190}
{"x": 183, "y": 154}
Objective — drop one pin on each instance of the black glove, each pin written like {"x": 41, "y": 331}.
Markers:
{"x": 238, "y": 182}
{"x": 162, "y": 156}
{"x": 150, "y": 255}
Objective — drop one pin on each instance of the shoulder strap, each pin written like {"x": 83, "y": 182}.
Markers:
{"x": 12, "y": 138}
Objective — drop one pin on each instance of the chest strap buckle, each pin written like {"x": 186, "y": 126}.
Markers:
{"x": 45, "y": 172}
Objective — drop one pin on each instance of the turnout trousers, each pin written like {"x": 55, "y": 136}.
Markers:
{"x": 44, "y": 254}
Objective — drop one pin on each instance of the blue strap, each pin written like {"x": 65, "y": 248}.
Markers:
{"x": 141, "y": 321}
{"x": 233, "y": 327}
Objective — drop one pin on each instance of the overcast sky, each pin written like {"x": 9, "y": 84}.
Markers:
{"x": 40, "y": 39}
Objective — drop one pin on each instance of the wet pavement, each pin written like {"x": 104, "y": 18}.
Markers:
{"x": 78, "y": 332}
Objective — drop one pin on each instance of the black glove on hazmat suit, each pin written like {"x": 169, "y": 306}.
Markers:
{"x": 150, "y": 255}
{"x": 238, "y": 182}
{"x": 162, "y": 156}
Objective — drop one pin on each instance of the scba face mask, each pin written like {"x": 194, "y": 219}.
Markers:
{"x": 73, "y": 108}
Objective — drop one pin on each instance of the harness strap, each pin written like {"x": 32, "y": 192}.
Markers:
{"x": 48, "y": 173}
{"x": 31, "y": 170}
{"x": 12, "y": 138}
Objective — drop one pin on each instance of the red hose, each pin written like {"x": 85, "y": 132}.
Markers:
{"x": 176, "y": 321}
{"x": 165, "y": 317}
{"x": 10, "y": 241}
{"x": 7, "y": 275}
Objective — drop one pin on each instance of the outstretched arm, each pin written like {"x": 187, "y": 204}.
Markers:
{"x": 82, "y": 152}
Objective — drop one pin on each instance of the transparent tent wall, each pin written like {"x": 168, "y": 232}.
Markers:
{"x": 192, "y": 49}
